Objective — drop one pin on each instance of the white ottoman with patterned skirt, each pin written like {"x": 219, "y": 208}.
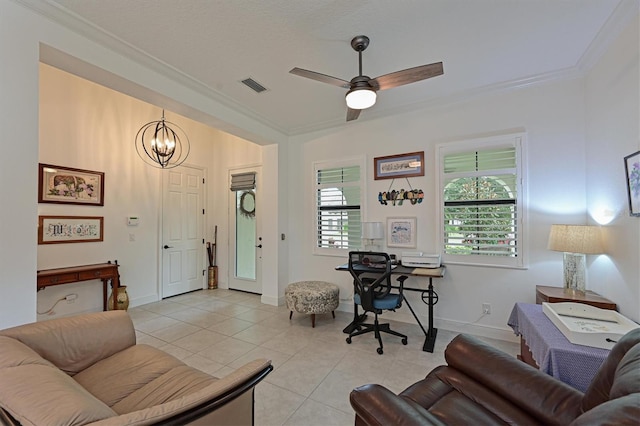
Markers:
{"x": 312, "y": 297}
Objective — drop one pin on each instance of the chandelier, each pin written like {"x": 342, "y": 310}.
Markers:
{"x": 162, "y": 144}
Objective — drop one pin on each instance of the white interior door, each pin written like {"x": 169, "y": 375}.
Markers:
{"x": 245, "y": 242}
{"x": 182, "y": 230}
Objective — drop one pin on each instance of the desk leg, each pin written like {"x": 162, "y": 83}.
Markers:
{"x": 430, "y": 341}
{"x": 105, "y": 283}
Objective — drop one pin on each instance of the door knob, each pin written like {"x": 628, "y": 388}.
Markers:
{"x": 166, "y": 246}
{"x": 259, "y": 246}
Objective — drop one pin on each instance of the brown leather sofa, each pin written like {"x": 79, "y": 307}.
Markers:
{"x": 88, "y": 369}
{"x": 482, "y": 385}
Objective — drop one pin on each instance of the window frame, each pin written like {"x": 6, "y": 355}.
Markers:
{"x": 516, "y": 140}
{"x": 333, "y": 164}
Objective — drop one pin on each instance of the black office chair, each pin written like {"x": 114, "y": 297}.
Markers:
{"x": 371, "y": 273}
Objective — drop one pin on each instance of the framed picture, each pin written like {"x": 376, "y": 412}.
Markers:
{"x": 632, "y": 168}
{"x": 401, "y": 232}
{"x": 64, "y": 185}
{"x": 399, "y": 166}
{"x": 70, "y": 229}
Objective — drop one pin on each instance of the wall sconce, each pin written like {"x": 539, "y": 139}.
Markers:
{"x": 575, "y": 241}
{"x": 160, "y": 145}
{"x": 372, "y": 231}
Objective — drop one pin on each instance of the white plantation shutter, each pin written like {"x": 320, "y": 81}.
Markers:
{"x": 338, "y": 198}
{"x": 481, "y": 188}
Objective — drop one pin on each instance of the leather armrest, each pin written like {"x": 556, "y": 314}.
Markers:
{"x": 377, "y": 405}
{"x": 537, "y": 393}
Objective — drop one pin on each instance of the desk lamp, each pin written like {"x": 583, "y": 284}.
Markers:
{"x": 372, "y": 231}
{"x": 575, "y": 241}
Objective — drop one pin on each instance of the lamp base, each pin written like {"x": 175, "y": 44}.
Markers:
{"x": 575, "y": 272}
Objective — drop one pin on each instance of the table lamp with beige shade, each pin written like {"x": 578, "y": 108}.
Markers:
{"x": 575, "y": 241}
{"x": 372, "y": 231}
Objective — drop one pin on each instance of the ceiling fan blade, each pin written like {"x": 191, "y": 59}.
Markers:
{"x": 410, "y": 75}
{"x": 323, "y": 78}
{"x": 353, "y": 114}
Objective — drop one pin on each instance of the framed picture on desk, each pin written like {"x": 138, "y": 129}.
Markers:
{"x": 401, "y": 232}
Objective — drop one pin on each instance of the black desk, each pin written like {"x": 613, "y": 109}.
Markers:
{"x": 431, "y": 297}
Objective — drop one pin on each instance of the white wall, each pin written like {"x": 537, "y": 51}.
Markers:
{"x": 87, "y": 126}
{"x": 24, "y": 35}
{"x": 613, "y": 120}
{"x": 553, "y": 116}
{"x": 19, "y": 123}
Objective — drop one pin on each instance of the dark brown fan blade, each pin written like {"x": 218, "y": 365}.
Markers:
{"x": 353, "y": 114}
{"x": 321, "y": 77}
{"x": 407, "y": 76}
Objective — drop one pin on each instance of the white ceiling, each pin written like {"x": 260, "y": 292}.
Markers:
{"x": 484, "y": 44}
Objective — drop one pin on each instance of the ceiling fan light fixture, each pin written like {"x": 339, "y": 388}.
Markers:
{"x": 361, "y": 98}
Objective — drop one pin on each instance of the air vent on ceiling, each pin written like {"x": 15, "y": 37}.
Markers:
{"x": 254, "y": 85}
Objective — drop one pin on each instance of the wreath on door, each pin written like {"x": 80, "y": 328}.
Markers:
{"x": 248, "y": 204}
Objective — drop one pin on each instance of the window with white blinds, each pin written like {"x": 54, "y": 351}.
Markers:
{"x": 338, "y": 214}
{"x": 481, "y": 191}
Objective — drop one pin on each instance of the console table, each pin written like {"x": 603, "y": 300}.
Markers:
{"x": 559, "y": 294}
{"x": 102, "y": 271}
{"x": 575, "y": 365}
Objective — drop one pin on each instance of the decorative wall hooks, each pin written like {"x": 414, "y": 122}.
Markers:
{"x": 395, "y": 197}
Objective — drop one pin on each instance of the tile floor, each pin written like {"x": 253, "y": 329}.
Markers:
{"x": 219, "y": 330}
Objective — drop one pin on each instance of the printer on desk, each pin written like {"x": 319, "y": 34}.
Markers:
{"x": 418, "y": 259}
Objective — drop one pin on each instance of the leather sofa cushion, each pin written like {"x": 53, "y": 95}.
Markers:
{"x": 141, "y": 377}
{"x": 36, "y": 394}
{"x": 452, "y": 398}
{"x": 71, "y": 345}
{"x": 16, "y": 353}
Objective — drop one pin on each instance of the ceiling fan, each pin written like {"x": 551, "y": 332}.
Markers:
{"x": 362, "y": 89}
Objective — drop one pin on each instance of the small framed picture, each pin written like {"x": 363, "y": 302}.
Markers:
{"x": 65, "y": 185}
{"x": 401, "y": 232}
{"x": 399, "y": 166}
{"x": 70, "y": 229}
{"x": 632, "y": 169}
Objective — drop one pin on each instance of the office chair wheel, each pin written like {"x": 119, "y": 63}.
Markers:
{"x": 379, "y": 351}
{"x": 349, "y": 340}
{"x": 404, "y": 340}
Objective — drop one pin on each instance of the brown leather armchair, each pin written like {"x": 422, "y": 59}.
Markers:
{"x": 482, "y": 385}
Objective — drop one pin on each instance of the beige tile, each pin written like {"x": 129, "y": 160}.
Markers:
{"x": 155, "y": 324}
{"x": 314, "y": 368}
{"x": 274, "y": 405}
{"x": 198, "y": 317}
{"x": 334, "y": 390}
{"x": 277, "y": 358}
{"x": 176, "y": 351}
{"x": 174, "y": 332}
{"x": 312, "y": 413}
{"x": 230, "y": 326}
{"x": 254, "y": 315}
{"x": 145, "y": 339}
{"x": 164, "y": 307}
{"x": 227, "y": 350}
{"x": 257, "y": 334}
{"x": 300, "y": 375}
{"x": 199, "y": 340}
{"x": 203, "y": 364}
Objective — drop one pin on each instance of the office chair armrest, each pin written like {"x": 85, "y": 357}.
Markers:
{"x": 401, "y": 279}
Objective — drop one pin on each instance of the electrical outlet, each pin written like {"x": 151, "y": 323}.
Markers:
{"x": 486, "y": 308}
{"x": 71, "y": 298}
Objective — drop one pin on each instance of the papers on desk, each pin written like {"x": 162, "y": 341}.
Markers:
{"x": 378, "y": 266}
